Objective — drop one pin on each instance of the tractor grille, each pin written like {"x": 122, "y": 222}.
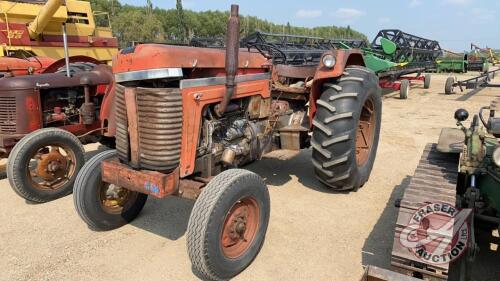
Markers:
{"x": 8, "y": 115}
{"x": 159, "y": 119}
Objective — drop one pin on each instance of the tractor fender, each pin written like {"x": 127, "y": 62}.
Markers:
{"x": 107, "y": 111}
{"x": 55, "y": 66}
{"x": 324, "y": 74}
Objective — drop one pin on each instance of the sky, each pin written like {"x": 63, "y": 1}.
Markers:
{"x": 454, "y": 23}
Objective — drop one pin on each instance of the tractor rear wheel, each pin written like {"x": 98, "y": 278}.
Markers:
{"x": 228, "y": 224}
{"x": 346, "y": 129}
{"x": 427, "y": 81}
{"x": 101, "y": 205}
{"x": 43, "y": 165}
{"x": 448, "y": 87}
{"x": 404, "y": 89}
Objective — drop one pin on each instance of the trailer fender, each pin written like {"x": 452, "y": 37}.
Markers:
{"x": 324, "y": 74}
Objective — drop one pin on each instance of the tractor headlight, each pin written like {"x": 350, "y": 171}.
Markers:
{"x": 496, "y": 155}
{"x": 329, "y": 61}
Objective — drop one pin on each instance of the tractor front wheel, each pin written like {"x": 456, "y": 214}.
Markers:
{"x": 43, "y": 165}
{"x": 346, "y": 129}
{"x": 101, "y": 205}
{"x": 228, "y": 224}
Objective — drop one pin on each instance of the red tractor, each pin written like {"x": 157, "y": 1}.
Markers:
{"x": 45, "y": 118}
{"x": 187, "y": 118}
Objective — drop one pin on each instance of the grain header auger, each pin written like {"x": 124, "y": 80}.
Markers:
{"x": 187, "y": 120}
{"x": 32, "y": 39}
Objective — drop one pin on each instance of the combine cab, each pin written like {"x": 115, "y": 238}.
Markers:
{"x": 189, "y": 119}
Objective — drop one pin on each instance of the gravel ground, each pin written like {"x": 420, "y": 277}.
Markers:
{"x": 314, "y": 234}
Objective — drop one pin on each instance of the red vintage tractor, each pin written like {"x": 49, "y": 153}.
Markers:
{"x": 53, "y": 61}
{"x": 187, "y": 119}
{"x": 45, "y": 119}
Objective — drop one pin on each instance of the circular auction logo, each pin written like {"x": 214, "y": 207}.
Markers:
{"x": 437, "y": 233}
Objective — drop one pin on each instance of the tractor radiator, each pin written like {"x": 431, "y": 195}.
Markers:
{"x": 157, "y": 122}
{"x": 8, "y": 115}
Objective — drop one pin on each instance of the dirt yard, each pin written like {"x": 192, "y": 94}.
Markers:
{"x": 314, "y": 234}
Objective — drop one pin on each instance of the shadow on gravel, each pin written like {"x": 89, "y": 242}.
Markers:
{"x": 469, "y": 94}
{"x": 166, "y": 217}
{"x": 378, "y": 246}
{"x": 278, "y": 169}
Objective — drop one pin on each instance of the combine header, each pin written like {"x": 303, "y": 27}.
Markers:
{"x": 411, "y": 55}
{"x": 188, "y": 118}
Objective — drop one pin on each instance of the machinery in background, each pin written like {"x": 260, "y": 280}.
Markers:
{"x": 488, "y": 53}
{"x": 453, "y": 62}
{"x": 31, "y": 35}
{"x": 483, "y": 80}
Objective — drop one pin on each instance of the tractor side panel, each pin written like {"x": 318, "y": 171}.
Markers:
{"x": 323, "y": 75}
{"x": 195, "y": 97}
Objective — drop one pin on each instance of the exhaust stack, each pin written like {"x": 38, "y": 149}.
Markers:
{"x": 232, "y": 49}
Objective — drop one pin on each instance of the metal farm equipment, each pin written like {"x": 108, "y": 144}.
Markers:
{"x": 412, "y": 54}
{"x": 32, "y": 36}
{"x": 45, "y": 118}
{"x": 453, "y": 62}
{"x": 457, "y": 180}
{"x": 187, "y": 120}
{"x": 481, "y": 81}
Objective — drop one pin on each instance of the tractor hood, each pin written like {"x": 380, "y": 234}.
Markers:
{"x": 155, "y": 61}
{"x": 99, "y": 76}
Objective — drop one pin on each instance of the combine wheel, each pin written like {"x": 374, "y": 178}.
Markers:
{"x": 346, "y": 130}
{"x": 404, "y": 89}
{"x": 44, "y": 164}
{"x": 448, "y": 87}
{"x": 427, "y": 81}
{"x": 228, "y": 224}
{"x": 101, "y": 205}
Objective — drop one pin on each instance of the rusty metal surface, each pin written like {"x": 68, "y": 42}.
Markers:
{"x": 435, "y": 180}
{"x": 122, "y": 144}
{"x": 190, "y": 189}
{"x": 232, "y": 52}
{"x": 101, "y": 75}
{"x": 148, "y": 182}
{"x": 291, "y": 71}
{"x": 149, "y": 127}
{"x": 133, "y": 131}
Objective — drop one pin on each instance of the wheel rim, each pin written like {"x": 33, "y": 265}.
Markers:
{"x": 51, "y": 167}
{"x": 114, "y": 199}
{"x": 365, "y": 132}
{"x": 240, "y": 227}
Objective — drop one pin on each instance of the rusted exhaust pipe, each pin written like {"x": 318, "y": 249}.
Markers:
{"x": 232, "y": 49}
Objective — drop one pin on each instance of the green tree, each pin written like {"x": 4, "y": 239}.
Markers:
{"x": 181, "y": 21}
{"x": 137, "y": 26}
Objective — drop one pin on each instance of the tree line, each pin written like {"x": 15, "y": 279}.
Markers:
{"x": 152, "y": 24}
